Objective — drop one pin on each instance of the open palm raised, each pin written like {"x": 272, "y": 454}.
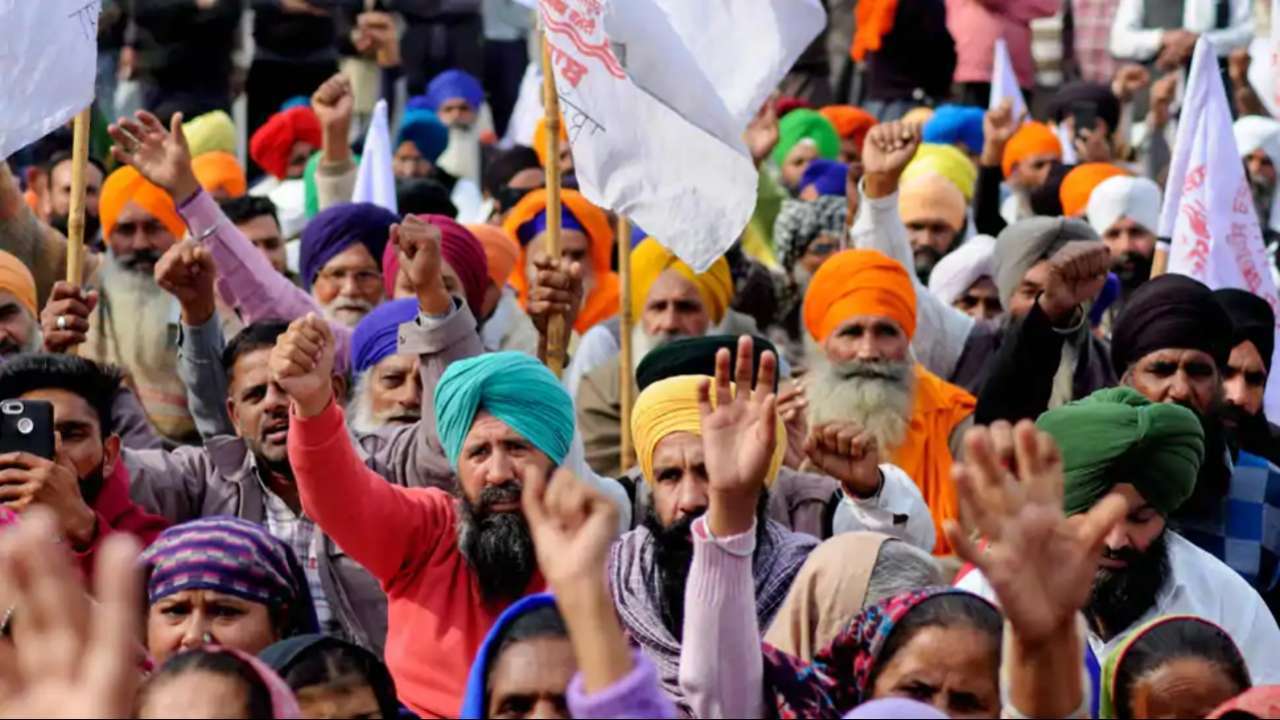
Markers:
{"x": 739, "y": 429}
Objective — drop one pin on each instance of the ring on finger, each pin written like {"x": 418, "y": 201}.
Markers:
{"x": 62, "y": 322}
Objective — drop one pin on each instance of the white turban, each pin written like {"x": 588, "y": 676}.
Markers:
{"x": 1136, "y": 198}
{"x": 1255, "y": 132}
{"x": 959, "y": 269}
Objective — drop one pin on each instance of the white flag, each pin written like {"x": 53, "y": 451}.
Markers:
{"x": 1004, "y": 82}
{"x": 49, "y": 52}
{"x": 376, "y": 182}
{"x": 1208, "y": 209}
{"x": 1274, "y": 89}
{"x": 656, "y": 95}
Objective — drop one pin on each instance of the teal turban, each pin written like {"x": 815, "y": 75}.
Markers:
{"x": 512, "y": 387}
{"x": 1118, "y": 436}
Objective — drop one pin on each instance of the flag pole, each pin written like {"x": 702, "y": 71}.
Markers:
{"x": 1160, "y": 262}
{"x": 626, "y": 377}
{"x": 75, "y": 223}
{"x": 556, "y": 332}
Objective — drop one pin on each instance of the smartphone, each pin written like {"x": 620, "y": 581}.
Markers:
{"x": 1085, "y": 115}
{"x": 27, "y": 426}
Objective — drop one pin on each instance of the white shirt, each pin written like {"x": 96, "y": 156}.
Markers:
{"x": 1130, "y": 40}
{"x": 1201, "y": 585}
{"x": 898, "y": 510}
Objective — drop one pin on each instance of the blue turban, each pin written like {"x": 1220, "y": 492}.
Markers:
{"x": 425, "y": 131}
{"x": 511, "y": 386}
{"x": 338, "y": 228}
{"x": 538, "y": 224}
{"x": 377, "y": 334}
{"x": 827, "y": 176}
{"x": 951, "y": 124}
{"x": 453, "y": 84}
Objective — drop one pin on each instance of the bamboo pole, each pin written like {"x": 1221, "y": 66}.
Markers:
{"x": 1160, "y": 263}
{"x": 627, "y": 377}
{"x": 556, "y": 331}
{"x": 75, "y": 223}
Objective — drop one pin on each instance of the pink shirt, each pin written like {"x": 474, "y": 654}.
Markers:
{"x": 975, "y": 24}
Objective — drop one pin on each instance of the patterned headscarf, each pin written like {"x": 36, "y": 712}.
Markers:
{"x": 801, "y": 221}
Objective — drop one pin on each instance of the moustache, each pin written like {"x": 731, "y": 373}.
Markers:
{"x": 140, "y": 260}
{"x": 504, "y": 494}
{"x": 873, "y": 370}
{"x": 1126, "y": 555}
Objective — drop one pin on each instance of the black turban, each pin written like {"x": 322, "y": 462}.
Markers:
{"x": 697, "y": 356}
{"x": 1171, "y": 311}
{"x": 1251, "y": 319}
{"x": 1105, "y": 104}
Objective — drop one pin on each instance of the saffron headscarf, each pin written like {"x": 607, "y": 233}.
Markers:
{"x": 514, "y": 388}
{"x": 212, "y": 132}
{"x": 272, "y": 143}
{"x": 800, "y": 222}
{"x": 1033, "y": 138}
{"x": 377, "y": 334}
{"x": 1079, "y": 184}
{"x": 473, "y": 698}
{"x": 801, "y": 124}
{"x": 601, "y": 303}
{"x": 928, "y": 195}
{"x": 425, "y": 131}
{"x": 828, "y": 177}
{"x": 850, "y": 122}
{"x": 337, "y": 228}
{"x": 126, "y": 185}
{"x": 17, "y": 280}
{"x": 500, "y": 250}
{"x": 650, "y": 259}
{"x": 858, "y": 282}
{"x": 452, "y": 84}
{"x": 953, "y": 124}
{"x": 541, "y": 138}
{"x": 671, "y": 406}
{"x": 1118, "y": 436}
{"x": 220, "y": 171}
{"x": 460, "y": 249}
{"x": 947, "y": 161}
{"x": 875, "y": 20}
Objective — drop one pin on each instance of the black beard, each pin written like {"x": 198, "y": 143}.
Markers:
{"x": 1133, "y": 269}
{"x": 59, "y": 222}
{"x": 672, "y": 557}
{"x": 926, "y": 257}
{"x": 91, "y": 485}
{"x": 1214, "y": 478}
{"x": 497, "y": 545}
{"x": 1120, "y": 597}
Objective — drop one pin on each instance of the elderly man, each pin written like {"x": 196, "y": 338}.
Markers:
{"x": 456, "y": 98}
{"x": 682, "y": 460}
{"x": 1125, "y": 212}
{"x": 1244, "y": 380}
{"x": 965, "y": 280}
{"x": 1258, "y": 140}
{"x": 860, "y": 311}
{"x": 19, "y": 317}
{"x": 386, "y": 386}
{"x": 1117, "y": 444}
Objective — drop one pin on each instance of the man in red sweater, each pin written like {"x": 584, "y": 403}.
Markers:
{"x": 450, "y": 563}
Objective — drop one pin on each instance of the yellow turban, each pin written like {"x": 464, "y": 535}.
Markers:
{"x": 671, "y": 406}
{"x": 210, "y": 132}
{"x": 125, "y": 185}
{"x": 928, "y": 196}
{"x": 947, "y": 161}
{"x": 650, "y": 259}
{"x": 15, "y": 278}
{"x": 220, "y": 171}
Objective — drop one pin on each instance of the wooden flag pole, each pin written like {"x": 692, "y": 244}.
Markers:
{"x": 556, "y": 332}
{"x": 627, "y": 377}
{"x": 75, "y": 223}
{"x": 1160, "y": 263}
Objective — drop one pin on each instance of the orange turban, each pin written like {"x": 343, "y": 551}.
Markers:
{"x": 272, "y": 143}
{"x": 15, "y": 278}
{"x": 858, "y": 282}
{"x": 500, "y": 249}
{"x": 1032, "y": 138}
{"x": 220, "y": 171}
{"x": 1078, "y": 185}
{"x": 540, "y": 138}
{"x": 126, "y": 185}
{"x": 602, "y": 301}
{"x": 850, "y": 122}
{"x": 875, "y": 20}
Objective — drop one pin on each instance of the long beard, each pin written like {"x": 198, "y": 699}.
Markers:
{"x": 461, "y": 157}
{"x": 878, "y": 396}
{"x": 35, "y": 341}
{"x": 672, "y": 557}
{"x": 141, "y": 313}
{"x": 1133, "y": 269}
{"x": 1119, "y": 597}
{"x": 364, "y": 419}
{"x": 642, "y": 343}
{"x": 497, "y": 545}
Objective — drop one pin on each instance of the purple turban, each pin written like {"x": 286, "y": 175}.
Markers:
{"x": 828, "y": 177}
{"x": 338, "y": 228}
{"x": 377, "y": 334}
{"x": 453, "y": 84}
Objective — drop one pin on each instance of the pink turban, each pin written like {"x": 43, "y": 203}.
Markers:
{"x": 460, "y": 249}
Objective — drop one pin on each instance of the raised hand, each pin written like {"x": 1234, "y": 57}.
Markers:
{"x": 68, "y": 662}
{"x": 379, "y": 28}
{"x": 846, "y": 452}
{"x": 302, "y": 364}
{"x": 998, "y": 126}
{"x": 1162, "y": 95}
{"x": 557, "y": 290}
{"x": 572, "y": 525}
{"x": 1040, "y": 563}
{"x": 1077, "y": 273}
{"x": 793, "y": 406}
{"x": 418, "y": 246}
{"x": 161, "y": 156}
{"x": 333, "y": 103}
{"x": 186, "y": 271}
{"x": 64, "y": 321}
{"x": 762, "y": 133}
{"x": 1128, "y": 80}
{"x": 888, "y": 149}
{"x": 739, "y": 434}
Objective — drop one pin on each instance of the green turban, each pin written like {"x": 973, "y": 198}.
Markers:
{"x": 805, "y": 124}
{"x": 1118, "y": 436}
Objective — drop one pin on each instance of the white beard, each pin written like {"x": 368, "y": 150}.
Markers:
{"x": 346, "y": 311}
{"x": 643, "y": 343}
{"x": 361, "y": 417}
{"x": 877, "y": 396}
{"x": 461, "y": 157}
{"x": 141, "y": 314}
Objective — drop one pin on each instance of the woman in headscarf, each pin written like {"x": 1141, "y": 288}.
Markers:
{"x": 529, "y": 634}
{"x": 1174, "y": 666}
{"x": 216, "y": 682}
{"x": 333, "y": 678}
{"x": 223, "y": 581}
{"x": 805, "y": 234}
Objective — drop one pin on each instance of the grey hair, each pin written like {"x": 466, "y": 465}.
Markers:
{"x": 900, "y": 566}
{"x": 360, "y": 408}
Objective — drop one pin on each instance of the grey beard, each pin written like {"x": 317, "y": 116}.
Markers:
{"x": 878, "y": 396}
{"x": 362, "y": 419}
{"x": 642, "y": 343}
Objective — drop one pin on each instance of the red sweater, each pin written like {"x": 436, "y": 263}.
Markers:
{"x": 407, "y": 538}
{"x": 117, "y": 513}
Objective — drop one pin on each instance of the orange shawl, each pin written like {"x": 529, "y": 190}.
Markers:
{"x": 601, "y": 302}
{"x": 926, "y": 454}
{"x": 875, "y": 20}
